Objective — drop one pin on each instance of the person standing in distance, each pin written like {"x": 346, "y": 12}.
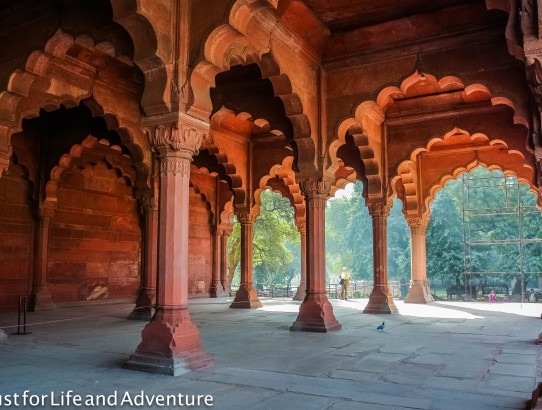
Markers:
{"x": 345, "y": 278}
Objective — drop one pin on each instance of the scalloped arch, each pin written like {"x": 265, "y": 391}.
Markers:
{"x": 285, "y": 173}
{"x": 79, "y": 157}
{"x": 229, "y": 45}
{"x": 38, "y": 87}
{"x": 407, "y": 171}
{"x": 456, "y": 173}
{"x": 365, "y": 125}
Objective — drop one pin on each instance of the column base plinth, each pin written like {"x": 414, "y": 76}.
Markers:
{"x": 301, "y": 291}
{"x": 316, "y": 315}
{"x": 227, "y": 289}
{"x": 419, "y": 292}
{"x": 143, "y": 307}
{"x": 246, "y": 298}
{"x": 217, "y": 290}
{"x": 40, "y": 299}
{"x": 170, "y": 345}
{"x": 380, "y": 302}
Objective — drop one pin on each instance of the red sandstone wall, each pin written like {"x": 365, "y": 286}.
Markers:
{"x": 94, "y": 242}
{"x": 200, "y": 244}
{"x": 15, "y": 236}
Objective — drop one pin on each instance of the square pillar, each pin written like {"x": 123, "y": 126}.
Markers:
{"x": 40, "y": 298}
{"x": 224, "y": 261}
{"x": 380, "y": 299}
{"x": 302, "y": 288}
{"x": 170, "y": 342}
{"x": 149, "y": 266}
{"x": 217, "y": 289}
{"x": 246, "y": 297}
{"x": 315, "y": 313}
{"x": 419, "y": 291}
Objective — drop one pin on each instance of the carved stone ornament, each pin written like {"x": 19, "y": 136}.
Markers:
{"x": 46, "y": 212}
{"x": 528, "y": 18}
{"x": 315, "y": 187}
{"x": 536, "y": 82}
{"x": 246, "y": 217}
{"x": 173, "y": 165}
{"x": 186, "y": 134}
{"x": 380, "y": 209}
{"x": 147, "y": 203}
{"x": 418, "y": 222}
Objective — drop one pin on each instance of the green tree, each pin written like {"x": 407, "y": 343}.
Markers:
{"x": 275, "y": 242}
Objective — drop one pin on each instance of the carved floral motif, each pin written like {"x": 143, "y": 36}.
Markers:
{"x": 245, "y": 217}
{"x": 379, "y": 209}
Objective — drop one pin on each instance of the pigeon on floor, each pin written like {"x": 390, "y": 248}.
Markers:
{"x": 381, "y": 327}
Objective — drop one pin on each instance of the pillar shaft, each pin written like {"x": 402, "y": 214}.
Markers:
{"x": 149, "y": 266}
{"x": 224, "y": 262}
{"x": 301, "y": 289}
{"x": 217, "y": 289}
{"x": 315, "y": 313}
{"x": 380, "y": 299}
{"x": 41, "y": 298}
{"x": 246, "y": 297}
{"x": 170, "y": 342}
{"x": 419, "y": 291}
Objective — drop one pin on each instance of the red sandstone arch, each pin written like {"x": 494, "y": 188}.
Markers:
{"x": 366, "y": 124}
{"x": 147, "y": 57}
{"x": 513, "y": 40}
{"x": 52, "y": 78}
{"x": 230, "y": 44}
{"x": 89, "y": 152}
{"x": 417, "y": 183}
{"x": 281, "y": 179}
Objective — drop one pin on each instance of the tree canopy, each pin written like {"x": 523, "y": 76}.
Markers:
{"x": 348, "y": 230}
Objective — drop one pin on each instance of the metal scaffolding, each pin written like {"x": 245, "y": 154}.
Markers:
{"x": 479, "y": 216}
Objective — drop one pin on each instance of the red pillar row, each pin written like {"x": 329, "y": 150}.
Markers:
{"x": 381, "y": 299}
{"x": 217, "y": 286}
{"x": 419, "y": 291}
{"x": 246, "y": 297}
{"x": 315, "y": 313}
{"x": 41, "y": 298}
{"x": 147, "y": 294}
{"x": 170, "y": 342}
{"x": 302, "y": 288}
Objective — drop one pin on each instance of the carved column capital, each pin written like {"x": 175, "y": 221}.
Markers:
{"x": 312, "y": 188}
{"x": 302, "y": 228}
{"x": 46, "y": 211}
{"x": 380, "y": 209}
{"x": 147, "y": 203}
{"x": 246, "y": 217}
{"x": 183, "y": 133}
{"x": 419, "y": 222}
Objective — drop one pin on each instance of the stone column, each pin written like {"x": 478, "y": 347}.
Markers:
{"x": 419, "y": 289}
{"x": 149, "y": 265}
{"x": 246, "y": 297}
{"x": 224, "y": 261}
{"x": 380, "y": 299}
{"x": 300, "y": 294}
{"x": 170, "y": 342}
{"x": 217, "y": 289}
{"x": 315, "y": 313}
{"x": 41, "y": 298}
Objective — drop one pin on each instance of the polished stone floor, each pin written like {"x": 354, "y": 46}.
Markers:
{"x": 438, "y": 356}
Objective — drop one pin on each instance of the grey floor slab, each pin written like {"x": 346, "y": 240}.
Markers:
{"x": 437, "y": 356}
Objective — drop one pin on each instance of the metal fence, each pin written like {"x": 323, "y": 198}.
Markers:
{"x": 356, "y": 290}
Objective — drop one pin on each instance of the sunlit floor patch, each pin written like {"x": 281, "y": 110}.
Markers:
{"x": 521, "y": 309}
{"x": 430, "y": 310}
